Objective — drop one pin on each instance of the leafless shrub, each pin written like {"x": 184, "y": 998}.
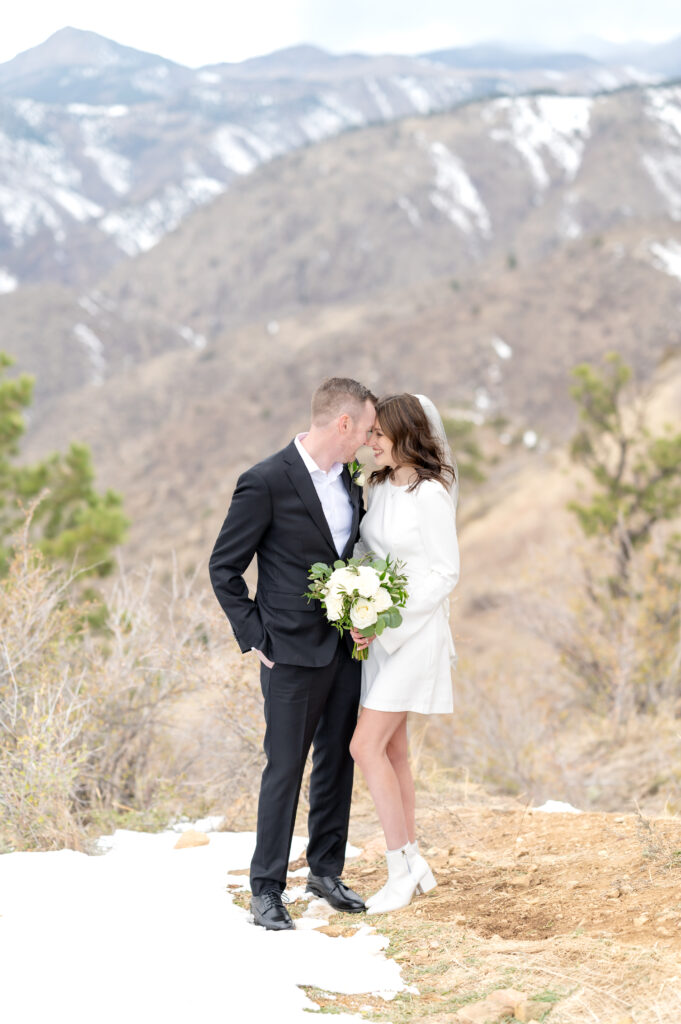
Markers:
{"x": 44, "y": 705}
{"x": 621, "y": 652}
{"x": 153, "y": 715}
{"x": 508, "y": 732}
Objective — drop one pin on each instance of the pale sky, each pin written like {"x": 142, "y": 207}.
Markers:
{"x": 197, "y": 32}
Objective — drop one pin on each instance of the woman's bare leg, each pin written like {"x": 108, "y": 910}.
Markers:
{"x": 398, "y": 755}
{"x": 369, "y": 748}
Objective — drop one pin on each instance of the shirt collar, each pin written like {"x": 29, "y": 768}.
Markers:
{"x": 310, "y": 464}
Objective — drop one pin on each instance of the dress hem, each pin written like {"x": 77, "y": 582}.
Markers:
{"x": 416, "y": 711}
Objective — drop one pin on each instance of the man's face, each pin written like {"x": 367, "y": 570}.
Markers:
{"x": 356, "y": 431}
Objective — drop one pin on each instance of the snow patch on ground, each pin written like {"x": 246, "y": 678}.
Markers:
{"x": 501, "y": 347}
{"x": 557, "y": 807}
{"x": 197, "y": 341}
{"x": 482, "y": 399}
{"x": 8, "y": 282}
{"x": 541, "y": 126}
{"x": 455, "y": 195}
{"x": 667, "y": 257}
{"x": 531, "y": 440}
{"x": 95, "y": 350}
{"x": 155, "y": 925}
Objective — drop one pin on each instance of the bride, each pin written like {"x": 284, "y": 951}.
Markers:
{"x": 411, "y": 516}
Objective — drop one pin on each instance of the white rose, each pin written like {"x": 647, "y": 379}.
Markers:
{"x": 368, "y": 581}
{"x": 342, "y": 579}
{"x": 382, "y": 600}
{"x": 360, "y": 479}
{"x": 334, "y": 606}
{"x": 363, "y": 613}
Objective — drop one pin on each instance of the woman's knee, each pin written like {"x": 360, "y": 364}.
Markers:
{"x": 364, "y": 749}
{"x": 358, "y": 749}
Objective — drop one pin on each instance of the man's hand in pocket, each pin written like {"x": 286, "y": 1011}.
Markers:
{"x": 266, "y": 661}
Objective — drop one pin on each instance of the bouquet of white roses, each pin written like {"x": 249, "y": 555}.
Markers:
{"x": 363, "y": 594}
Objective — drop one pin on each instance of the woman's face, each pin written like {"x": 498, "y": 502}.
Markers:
{"x": 382, "y": 447}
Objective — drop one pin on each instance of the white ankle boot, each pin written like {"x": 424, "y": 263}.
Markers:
{"x": 400, "y": 887}
{"x": 417, "y": 866}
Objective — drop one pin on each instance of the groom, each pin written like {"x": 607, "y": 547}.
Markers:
{"x": 295, "y": 508}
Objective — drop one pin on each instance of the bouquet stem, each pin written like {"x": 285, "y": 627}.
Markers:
{"x": 360, "y": 653}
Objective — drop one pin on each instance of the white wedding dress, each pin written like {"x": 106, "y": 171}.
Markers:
{"x": 409, "y": 668}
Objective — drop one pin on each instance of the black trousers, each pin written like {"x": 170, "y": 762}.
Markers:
{"x": 304, "y": 707}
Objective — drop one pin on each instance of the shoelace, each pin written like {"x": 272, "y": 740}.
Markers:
{"x": 271, "y": 897}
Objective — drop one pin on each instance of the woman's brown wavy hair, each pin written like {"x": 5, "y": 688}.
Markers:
{"x": 404, "y": 422}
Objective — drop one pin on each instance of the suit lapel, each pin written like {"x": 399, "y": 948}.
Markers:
{"x": 302, "y": 481}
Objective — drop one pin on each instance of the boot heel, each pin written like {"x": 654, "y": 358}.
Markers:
{"x": 426, "y": 882}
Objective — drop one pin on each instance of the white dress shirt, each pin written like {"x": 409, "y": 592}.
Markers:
{"x": 333, "y": 495}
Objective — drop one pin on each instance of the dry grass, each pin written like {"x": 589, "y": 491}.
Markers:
{"x": 594, "y": 932}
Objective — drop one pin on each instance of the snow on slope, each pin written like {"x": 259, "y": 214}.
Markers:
{"x": 455, "y": 195}
{"x": 39, "y": 186}
{"x": 137, "y": 229}
{"x": 8, "y": 282}
{"x": 541, "y": 127}
{"x": 667, "y": 257}
{"x": 663, "y": 107}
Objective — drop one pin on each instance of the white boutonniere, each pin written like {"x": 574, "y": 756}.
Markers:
{"x": 357, "y": 474}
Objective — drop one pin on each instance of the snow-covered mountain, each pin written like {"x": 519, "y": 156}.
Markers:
{"x": 465, "y": 197}
{"x": 105, "y": 149}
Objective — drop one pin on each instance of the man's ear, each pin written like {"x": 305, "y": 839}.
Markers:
{"x": 343, "y": 423}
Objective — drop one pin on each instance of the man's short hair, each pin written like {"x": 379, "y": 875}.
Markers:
{"x": 337, "y": 395}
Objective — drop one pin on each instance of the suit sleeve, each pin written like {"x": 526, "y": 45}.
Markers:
{"x": 248, "y": 519}
{"x": 437, "y": 527}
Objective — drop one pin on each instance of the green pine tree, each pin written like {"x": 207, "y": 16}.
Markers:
{"x": 71, "y": 521}
{"x": 636, "y": 475}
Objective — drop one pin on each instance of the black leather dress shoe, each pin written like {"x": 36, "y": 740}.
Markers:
{"x": 335, "y": 892}
{"x": 269, "y": 911}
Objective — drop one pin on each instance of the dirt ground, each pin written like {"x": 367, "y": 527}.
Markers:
{"x": 582, "y": 912}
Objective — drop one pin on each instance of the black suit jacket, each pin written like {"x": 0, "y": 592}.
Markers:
{"x": 276, "y": 515}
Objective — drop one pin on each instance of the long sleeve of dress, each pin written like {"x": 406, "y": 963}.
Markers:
{"x": 429, "y": 589}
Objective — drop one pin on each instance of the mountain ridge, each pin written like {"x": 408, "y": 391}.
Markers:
{"x": 106, "y": 158}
